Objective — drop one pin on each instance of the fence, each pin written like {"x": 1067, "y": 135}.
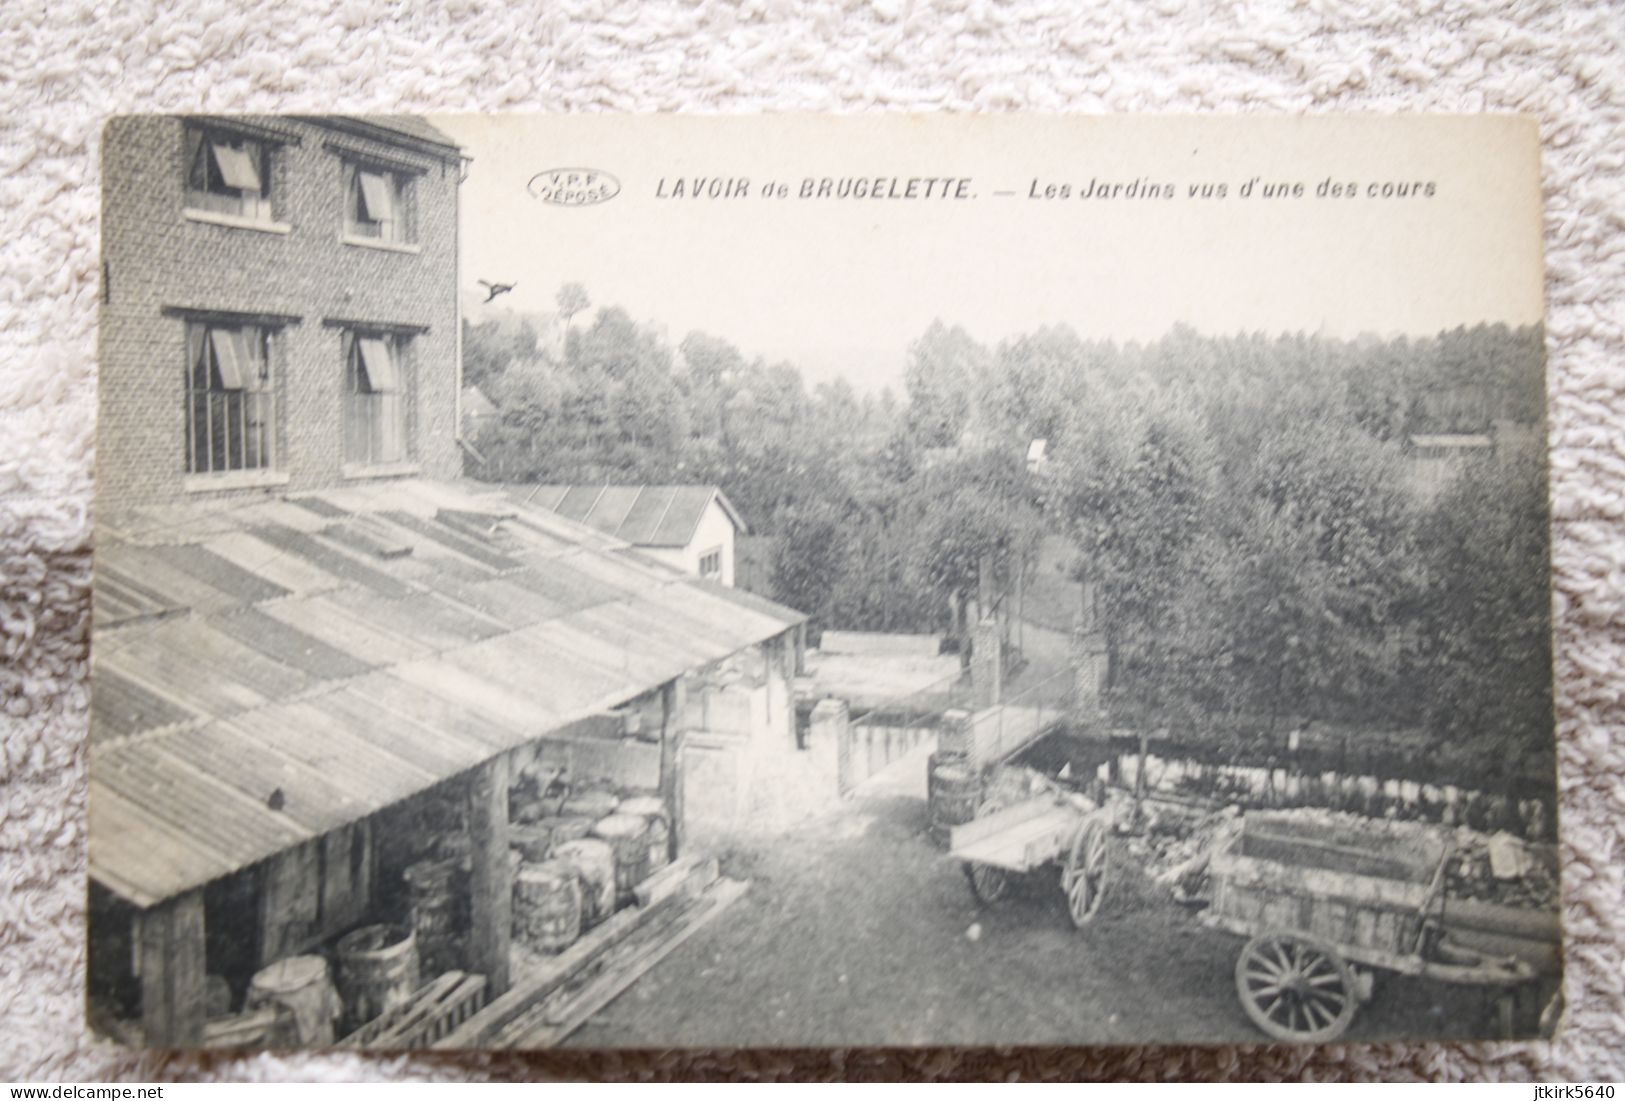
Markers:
{"x": 1006, "y": 728}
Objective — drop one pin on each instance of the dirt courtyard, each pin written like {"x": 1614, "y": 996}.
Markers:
{"x": 856, "y": 931}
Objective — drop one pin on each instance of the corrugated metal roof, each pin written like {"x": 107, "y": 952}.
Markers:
{"x": 645, "y": 516}
{"x": 247, "y": 648}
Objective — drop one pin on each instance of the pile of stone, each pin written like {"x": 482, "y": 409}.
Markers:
{"x": 1502, "y": 869}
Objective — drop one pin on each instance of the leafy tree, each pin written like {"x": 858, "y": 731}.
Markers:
{"x": 571, "y": 300}
{"x": 944, "y": 366}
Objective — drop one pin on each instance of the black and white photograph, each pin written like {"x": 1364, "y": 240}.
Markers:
{"x": 636, "y": 581}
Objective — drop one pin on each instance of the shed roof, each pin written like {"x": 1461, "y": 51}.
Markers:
{"x": 646, "y": 516}
{"x": 350, "y": 648}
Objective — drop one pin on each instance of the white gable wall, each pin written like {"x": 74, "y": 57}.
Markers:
{"x": 715, "y": 530}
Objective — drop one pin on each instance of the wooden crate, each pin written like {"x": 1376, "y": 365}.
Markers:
{"x": 1366, "y": 902}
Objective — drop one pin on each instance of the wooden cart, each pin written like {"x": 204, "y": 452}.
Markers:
{"x": 1054, "y": 830}
{"x": 1324, "y": 905}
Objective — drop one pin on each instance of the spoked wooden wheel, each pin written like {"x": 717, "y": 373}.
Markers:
{"x": 1296, "y": 989}
{"x": 1083, "y": 878}
{"x": 987, "y": 883}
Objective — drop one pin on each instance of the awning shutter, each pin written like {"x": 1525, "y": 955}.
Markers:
{"x": 237, "y": 167}
{"x": 376, "y": 360}
{"x": 231, "y": 358}
{"x": 377, "y": 204}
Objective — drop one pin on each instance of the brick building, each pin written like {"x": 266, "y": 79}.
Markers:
{"x": 279, "y": 307}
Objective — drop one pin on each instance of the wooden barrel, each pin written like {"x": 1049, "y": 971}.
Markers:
{"x": 953, "y": 790}
{"x": 526, "y": 809}
{"x": 378, "y": 970}
{"x": 644, "y": 806}
{"x": 438, "y": 893}
{"x": 533, "y": 841}
{"x": 628, "y": 836}
{"x": 573, "y": 828}
{"x": 653, "y": 810}
{"x": 594, "y": 864}
{"x": 547, "y": 906}
{"x": 593, "y": 804}
{"x": 302, "y": 986}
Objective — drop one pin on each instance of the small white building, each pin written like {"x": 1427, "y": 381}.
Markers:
{"x": 690, "y": 527}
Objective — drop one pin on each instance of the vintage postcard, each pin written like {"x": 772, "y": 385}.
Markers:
{"x": 793, "y": 581}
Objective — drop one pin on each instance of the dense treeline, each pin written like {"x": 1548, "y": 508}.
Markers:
{"x": 1247, "y": 508}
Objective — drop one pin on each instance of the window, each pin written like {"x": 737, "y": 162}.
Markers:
{"x": 711, "y": 563}
{"x": 228, "y": 175}
{"x": 230, "y": 400}
{"x": 374, "y": 398}
{"x": 377, "y": 204}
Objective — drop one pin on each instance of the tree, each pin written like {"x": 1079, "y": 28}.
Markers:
{"x": 944, "y": 366}
{"x": 812, "y": 559}
{"x": 571, "y": 300}
{"x": 1485, "y": 632}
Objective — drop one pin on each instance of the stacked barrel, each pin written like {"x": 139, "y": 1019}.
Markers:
{"x": 583, "y": 861}
{"x": 953, "y": 789}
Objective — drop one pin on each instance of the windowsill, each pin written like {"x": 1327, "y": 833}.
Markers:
{"x": 381, "y": 246}
{"x": 235, "y": 479}
{"x": 235, "y": 221}
{"x": 380, "y": 470}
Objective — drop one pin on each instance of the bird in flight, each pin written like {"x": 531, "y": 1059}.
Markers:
{"x": 494, "y": 289}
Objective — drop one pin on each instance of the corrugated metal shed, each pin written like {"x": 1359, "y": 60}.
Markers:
{"x": 350, "y": 648}
{"x": 645, "y": 516}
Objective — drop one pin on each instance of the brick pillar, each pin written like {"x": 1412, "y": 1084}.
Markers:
{"x": 957, "y": 734}
{"x": 987, "y": 663}
{"x": 1088, "y": 675}
{"x": 830, "y": 729}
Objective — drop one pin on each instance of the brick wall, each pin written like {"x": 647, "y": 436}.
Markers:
{"x": 159, "y": 263}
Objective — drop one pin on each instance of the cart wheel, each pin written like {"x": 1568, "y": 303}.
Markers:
{"x": 1296, "y": 989}
{"x": 987, "y": 883}
{"x": 1083, "y": 878}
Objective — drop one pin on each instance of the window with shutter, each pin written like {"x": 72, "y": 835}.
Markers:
{"x": 375, "y": 428}
{"x": 377, "y": 204}
{"x": 230, "y": 399}
{"x": 229, "y": 175}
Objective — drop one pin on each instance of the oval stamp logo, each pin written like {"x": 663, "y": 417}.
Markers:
{"x": 574, "y": 186}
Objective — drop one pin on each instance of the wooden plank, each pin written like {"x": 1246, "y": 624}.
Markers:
{"x": 399, "y": 1027}
{"x": 172, "y": 970}
{"x": 532, "y": 988}
{"x": 490, "y": 881}
{"x": 675, "y": 877}
{"x": 614, "y": 982}
{"x": 673, "y": 704}
{"x": 999, "y": 821}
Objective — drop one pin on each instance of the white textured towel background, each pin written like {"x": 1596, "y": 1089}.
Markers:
{"x": 65, "y": 65}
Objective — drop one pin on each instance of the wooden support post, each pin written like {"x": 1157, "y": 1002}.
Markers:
{"x": 172, "y": 970}
{"x": 801, "y": 649}
{"x": 673, "y": 702}
{"x": 1021, "y": 605}
{"x": 490, "y": 881}
{"x": 1139, "y": 772}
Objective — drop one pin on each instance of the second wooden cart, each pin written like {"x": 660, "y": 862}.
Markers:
{"x": 1056, "y": 832}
